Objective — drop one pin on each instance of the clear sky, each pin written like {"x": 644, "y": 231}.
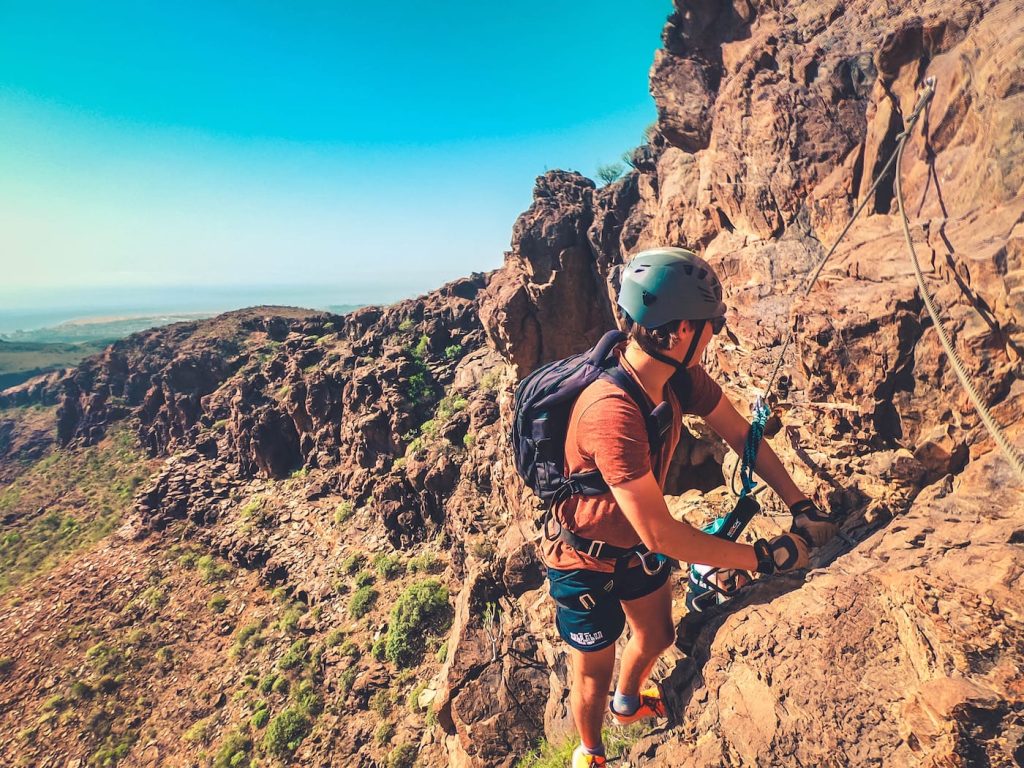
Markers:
{"x": 381, "y": 148}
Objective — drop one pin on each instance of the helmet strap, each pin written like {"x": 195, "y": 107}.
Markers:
{"x": 663, "y": 358}
{"x": 698, "y": 331}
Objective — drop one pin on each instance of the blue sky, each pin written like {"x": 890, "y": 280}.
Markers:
{"x": 382, "y": 150}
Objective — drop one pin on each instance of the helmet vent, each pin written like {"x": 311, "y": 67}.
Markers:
{"x": 649, "y": 298}
{"x": 702, "y": 274}
{"x": 688, "y": 269}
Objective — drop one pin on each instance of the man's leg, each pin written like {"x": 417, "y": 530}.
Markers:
{"x": 650, "y": 619}
{"x": 588, "y": 696}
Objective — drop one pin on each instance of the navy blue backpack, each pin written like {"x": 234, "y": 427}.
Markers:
{"x": 543, "y": 403}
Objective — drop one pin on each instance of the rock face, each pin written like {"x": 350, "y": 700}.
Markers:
{"x": 773, "y": 124}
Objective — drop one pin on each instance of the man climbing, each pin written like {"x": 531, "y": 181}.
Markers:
{"x": 600, "y": 571}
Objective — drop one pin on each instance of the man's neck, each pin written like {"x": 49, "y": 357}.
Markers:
{"x": 653, "y": 374}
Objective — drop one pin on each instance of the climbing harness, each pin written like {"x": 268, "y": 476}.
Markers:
{"x": 1011, "y": 453}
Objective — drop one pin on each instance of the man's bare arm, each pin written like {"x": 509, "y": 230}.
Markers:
{"x": 644, "y": 505}
{"x": 733, "y": 428}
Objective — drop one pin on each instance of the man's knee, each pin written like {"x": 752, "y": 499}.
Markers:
{"x": 657, "y": 637}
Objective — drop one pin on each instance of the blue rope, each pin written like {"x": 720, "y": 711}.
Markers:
{"x": 760, "y": 417}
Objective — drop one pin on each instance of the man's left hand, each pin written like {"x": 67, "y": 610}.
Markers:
{"x": 815, "y": 526}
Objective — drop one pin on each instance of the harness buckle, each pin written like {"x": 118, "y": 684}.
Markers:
{"x": 594, "y": 550}
{"x": 587, "y": 601}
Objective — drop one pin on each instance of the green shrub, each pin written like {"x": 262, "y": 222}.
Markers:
{"x": 316, "y": 656}
{"x": 382, "y": 702}
{"x": 483, "y": 549}
{"x": 234, "y": 751}
{"x": 490, "y": 381}
{"x": 114, "y": 749}
{"x": 364, "y": 579}
{"x": 188, "y": 560}
{"x": 307, "y": 699}
{"x": 334, "y": 637}
{"x": 377, "y": 650}
{"x": 387, "y": 565}
{"x": 449, "y": 406}
{"x": 154, "y": 597}
{"x": 290, "y": 618}
{"x": 453, "y": 351}
{"x": 426, "y": 562}
{"x": 343, "y": 512}
{"x": 295, "y": 655}
{"x": 610, "y": 172}
{"x": 352, "y": 563}
{"x": 350, "y": 649}
{"x": 164, "y": 654}
{"x": 286, "y": 732}
{"x": 247, "y": 636}
{"x": 419, "y": 388}
{"x": 81, "y": 690}
{"x": 281, "y": 684}
{"x": 346, "y": 680}
{"x": 211, "y": 570}
{"x": 217, "y": 603}
{"x": 402, "y": 756}
{"x": 6, "y": 665}
{"x": 250, "y": 681}
{"x": 413, "y": 699}
{"x": 422, "y": 347}
{"x": 362, "y": 601}
{"x": 420, "y": 610}
{"x": 260, "y": 717}
{"x": 406, "y": 325}
{"x": 384, "y": 732}
{"x": 104, "y": 658}
{"x": 252, "y": 507}
{"x": 55, "y": 703}
{"x": 267, "y": 683}
{"x": 199, "y": 731}
{"x": 469, "y": 440}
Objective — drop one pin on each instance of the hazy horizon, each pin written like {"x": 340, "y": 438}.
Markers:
{"x": 36, "y": 308}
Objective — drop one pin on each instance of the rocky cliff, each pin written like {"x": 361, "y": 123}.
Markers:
{"x": 320, "y": 458}
{"x": 903, "y": 645}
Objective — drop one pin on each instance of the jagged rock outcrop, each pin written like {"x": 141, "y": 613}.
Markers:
{"x": 773, "y": 123}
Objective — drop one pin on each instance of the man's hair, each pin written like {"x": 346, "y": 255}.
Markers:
{"x": 654, "y": 339}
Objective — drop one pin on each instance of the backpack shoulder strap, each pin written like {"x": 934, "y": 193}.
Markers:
{"x": 657, "y": 420}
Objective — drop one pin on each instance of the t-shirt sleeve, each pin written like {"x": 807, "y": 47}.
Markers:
{"x": 704, "y": 393}
{"x": 612, "y": 431}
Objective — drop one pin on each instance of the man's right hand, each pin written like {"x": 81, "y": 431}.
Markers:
{"x": 787, "y": 552}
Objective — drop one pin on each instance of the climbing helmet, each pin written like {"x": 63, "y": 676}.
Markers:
{"x": 665, "y": 284}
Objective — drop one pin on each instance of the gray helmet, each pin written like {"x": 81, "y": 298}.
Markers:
{"x": 665, "y": 284}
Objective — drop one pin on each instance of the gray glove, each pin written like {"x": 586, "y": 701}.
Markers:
{"x": 816, "y": 527}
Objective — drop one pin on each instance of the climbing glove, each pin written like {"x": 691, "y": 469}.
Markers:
{"x": 783, "y": 553}
{"x": 816, "y": 527}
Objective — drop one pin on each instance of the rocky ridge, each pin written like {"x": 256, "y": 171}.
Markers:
{"x": 901, "y": 647}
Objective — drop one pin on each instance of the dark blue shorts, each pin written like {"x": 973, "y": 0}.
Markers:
{"x": 589, "y": 615}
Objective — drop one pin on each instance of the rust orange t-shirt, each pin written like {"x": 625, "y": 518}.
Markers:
{"x": 607, "y": 432}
